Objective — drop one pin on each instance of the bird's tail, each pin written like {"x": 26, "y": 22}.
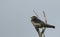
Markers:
{"x": 49, "y": 26}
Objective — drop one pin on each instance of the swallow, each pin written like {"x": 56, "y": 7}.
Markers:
{"x": 37, "y": 23}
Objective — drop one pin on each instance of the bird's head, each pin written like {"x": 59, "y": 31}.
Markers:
{"x": 33, "y": 17}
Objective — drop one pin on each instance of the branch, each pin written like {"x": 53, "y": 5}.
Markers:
{"x": 40, "y": 34}
{"x": 36, "y": 13}
{"x": 45, "y": 22}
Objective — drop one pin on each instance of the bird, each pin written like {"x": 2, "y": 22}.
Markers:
{"x": 37, "y": 23}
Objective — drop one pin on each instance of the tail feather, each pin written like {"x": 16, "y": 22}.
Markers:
{"x": 49, "y": 26}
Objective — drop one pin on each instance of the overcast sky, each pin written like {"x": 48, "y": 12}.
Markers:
{"x": 15, "y": 17}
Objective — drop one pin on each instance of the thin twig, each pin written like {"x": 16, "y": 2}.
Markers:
{"x": 40, "y": 34}
{"x": 45, "y": 22}
{"x": 36, "y": 13}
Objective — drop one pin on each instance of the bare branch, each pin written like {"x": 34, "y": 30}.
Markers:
{"x": 45, "y": 22}
{"x": 45, "y": 17}
{"x": 40, "y": 35}
{"x": 36, "y": 13}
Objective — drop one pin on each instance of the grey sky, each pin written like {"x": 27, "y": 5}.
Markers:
{"x": 15, "y": 17}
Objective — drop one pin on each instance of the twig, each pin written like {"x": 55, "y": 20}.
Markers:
{"x": 36, "y": 13}
{"x": 40, "y": 34}
{"x": 45, "y": 22}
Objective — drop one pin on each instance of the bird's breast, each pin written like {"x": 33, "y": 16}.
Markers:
{"x": 36, "y": 24}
